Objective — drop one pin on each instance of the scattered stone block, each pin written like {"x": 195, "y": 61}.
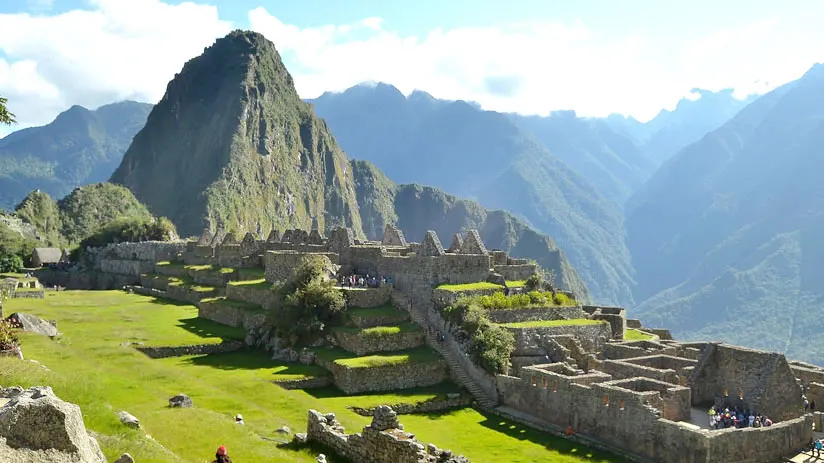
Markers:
{"x": 125, "y": 458}
{"x": 283, "y": 430}
{"x": 128, "y": 420}
{"x": 300, "y": 438}
{"x": 33, "y": 324}
{"x": 181, "y": 401}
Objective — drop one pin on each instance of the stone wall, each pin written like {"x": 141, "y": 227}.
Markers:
{"x": 623, "y": 370}
{"x": 126, "y": 267}
{"x": 435, "y": 404}
{"x": 280, "y": 265}
{"x": 197, "y": 349}
{"x": 36, "y": 294}
{"x": 367, "y": 297}
{"x": 630, "y": 349}
{"x": 516, "y": 272}
{"x": 531, "y": 341}
{"x": 386, "y": 378}
{"x": 364, "y": 344}
{"x": 227, "y": 313}
{"x": 313, "y": 382}
{"x": 84, "y": 280}
{"x": 383, "y": 441}
{"x": 763, "y": 381}
{"x": 536, "y": 313}
{"x": 641, "y": 414}
{"x": 149, "y": 251}
{"x": 252, "y": 294}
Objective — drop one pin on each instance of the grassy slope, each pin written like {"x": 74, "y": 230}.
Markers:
{"x": 90, "y": 367}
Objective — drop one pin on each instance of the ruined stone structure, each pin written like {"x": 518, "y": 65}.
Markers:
{"x": 383, "y": 441}
{"x": 633, "y": 397}
{"x": 641, "y": 404}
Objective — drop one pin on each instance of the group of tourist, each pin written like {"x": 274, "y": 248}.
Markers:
{"x": 364, "y": 281}
{"x": 724, "y": 417}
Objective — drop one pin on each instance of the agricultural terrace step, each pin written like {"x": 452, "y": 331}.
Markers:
{"x": 209, "y": 274}
{"x": 363, "y": 341}
{"x": 232, "y": 313}
{"x": 366, "y": 297}
{"x": 257, "y": 292}
{"x": 376, "y": 316}
{"x": 383, "y": 372}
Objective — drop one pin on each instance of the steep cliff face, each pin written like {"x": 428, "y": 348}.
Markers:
{"x": 232, "y": 142}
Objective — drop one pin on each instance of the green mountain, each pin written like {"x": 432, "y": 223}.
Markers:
{"x": 610, "y": 160}
{"x": 79, "y": 147}
{"x": 725, "y": 237}
{"x": 484, "y": 155}
{"x": 231, "y": 142}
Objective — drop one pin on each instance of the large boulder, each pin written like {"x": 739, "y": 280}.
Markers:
{"x": 33, "y": 324}
{"x": 129, "y": 420}
{"x": 37, "y": 427}
{"x": 181, "y": 401}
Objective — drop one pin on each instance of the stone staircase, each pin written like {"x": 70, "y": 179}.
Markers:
{"x": 418, "y": 314}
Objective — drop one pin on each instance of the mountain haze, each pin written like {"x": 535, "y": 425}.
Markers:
{"x": 484, "y": 155}
{"x": 232, "y": 143}
{"x": 79, "y": 147}
{"x": 729, "y": 229}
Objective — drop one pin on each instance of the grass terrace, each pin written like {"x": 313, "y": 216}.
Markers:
{"x": 259, "y": 283}
{"x": 380, "y": 331}
{"x": 350, "y": 360}
{"x": 550, "y": 323}
{"x": 90, "y": 366}
{"x": 384, "y": 311}
{"x": 481, "y": 285}
{"x": 633, "y": 334}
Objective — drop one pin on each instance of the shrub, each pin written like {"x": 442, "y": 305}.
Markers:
{"x": 534, "y": 282}
{"x": 8, "y": 337}
{"x": 498, "y": 301}
{"x": 307, "y": 304}
{"x": 489, "y": 345}
{"x": 133, "y": 229}
{"x": 11, "y": 263}
{"x": 562, "y": 299}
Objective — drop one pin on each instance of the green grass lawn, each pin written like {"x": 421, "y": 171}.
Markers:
{"x": 91, "y": 367}
{"x": 548, "y": 323}
{"x": 516, "y": 283}
{"x": 471, "y": 286}
{"x": 259, "y": 283}
{"x": 632, "y": 334}
{"x": 348, "y": 359}
{"x": 378, "y": 331}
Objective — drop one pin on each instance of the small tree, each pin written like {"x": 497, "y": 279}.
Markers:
{"x": 534, "y": 282}
{"x": 6, "y": 117}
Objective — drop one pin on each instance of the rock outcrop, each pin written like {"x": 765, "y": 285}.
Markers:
{"x": 37, "y": 427}
{"x": 33, "y": 324}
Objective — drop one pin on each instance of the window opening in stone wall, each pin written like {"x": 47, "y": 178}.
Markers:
{"x": 555, "y": 386}
{"x": 606, "y": 400}
{"x": 621, "y": 405}
{"x": 544, "y": 383}
{"x": 534, "y": 381}
{"x": 741, "y": 394}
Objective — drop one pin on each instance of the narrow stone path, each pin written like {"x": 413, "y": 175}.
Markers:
{"x": 419, "y": 316}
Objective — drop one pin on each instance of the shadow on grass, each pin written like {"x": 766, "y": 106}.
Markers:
{"x": 331, "y": 392}
{"x": 249, "y": 359}
{"x": 556, "y": 443}
{"x": 209, "y": 329}
{"x": 163, "y": 301}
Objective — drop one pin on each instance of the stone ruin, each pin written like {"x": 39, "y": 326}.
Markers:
{"x": 473, "y": 244}
{"x": 457, "y": 242}
{"x": 274, "y": 236}
{"x": 393, "y": 236}
{"x": 37, "y": 427}
{"x": 431, "y": 245}
{"x": 383, "y": 441}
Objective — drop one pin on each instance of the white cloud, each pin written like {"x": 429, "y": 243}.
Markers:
{"x": 119, "y": 49}
{"x": 115, "y": 51}
{"x": 542, "y": 66}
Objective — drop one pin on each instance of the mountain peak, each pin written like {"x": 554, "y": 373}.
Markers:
{"x": 241, "y": 147}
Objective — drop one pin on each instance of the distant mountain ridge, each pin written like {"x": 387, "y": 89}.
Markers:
{"x": 725, "y": 237}
{"x": 485, "y": 155}
{"x": 79, "y": 147}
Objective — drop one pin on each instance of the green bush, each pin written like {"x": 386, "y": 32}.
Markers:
{"x": 489, "y": 345}
{"x": 307, "y": 304}
{"x": 133, "y": 229}
{"x": 534, "y": 282}
{"x": 562, "y": 299}
{"x": 11, "y": 263}
{"x": 499, "y": 301}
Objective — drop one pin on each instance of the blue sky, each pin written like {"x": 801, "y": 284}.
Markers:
{"x": 594, "y": 56}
